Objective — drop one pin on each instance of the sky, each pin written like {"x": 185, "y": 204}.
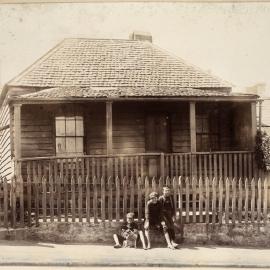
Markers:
{"x": 232, "y": 40}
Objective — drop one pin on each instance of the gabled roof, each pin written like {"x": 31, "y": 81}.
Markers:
{"x": 115, "y": 63}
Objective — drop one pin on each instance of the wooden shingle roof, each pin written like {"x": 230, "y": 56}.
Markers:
{"x": 117, "y": 64}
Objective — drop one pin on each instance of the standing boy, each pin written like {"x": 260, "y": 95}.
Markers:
{"x": 153, "y": 219}
{"x": 168, "y": 213}
{"x": 129, "y": 233}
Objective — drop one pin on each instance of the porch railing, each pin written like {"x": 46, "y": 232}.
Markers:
{"x": 94, "y": 200}
{"x": 212, "y": 164}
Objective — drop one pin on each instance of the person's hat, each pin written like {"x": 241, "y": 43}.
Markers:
{"x": 153, "y": 195}
{"x": 166, "y": 188}
{"x": 130, "y": 215}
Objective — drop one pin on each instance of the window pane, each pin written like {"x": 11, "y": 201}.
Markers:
{"x": 79, "y": 144}
{"x": 60, "y": 145}
{"x": 71, "y": 144}
{"x": 60, "y": 126}
{"x": 70, "y": 126}
{"x": 79, "y": 126}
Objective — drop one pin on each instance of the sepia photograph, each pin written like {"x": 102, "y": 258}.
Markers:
{"x": 134, "y": 134}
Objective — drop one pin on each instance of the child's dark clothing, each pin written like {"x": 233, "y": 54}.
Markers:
{"x": 153, "y": 214}
{"x": 168, "y": 212}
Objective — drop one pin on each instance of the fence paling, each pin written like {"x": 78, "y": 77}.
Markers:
{"x": 253, "y": 200}
{"x": 110, "y": 199}
{"x": 117, "y": 198}
{"x": 187, "y": 200}
{"x": 240, "y": 198}
{"x": 259, "y": 201}
{"x": 220, "y": 201}
{"x": 233, "y": 200}
{"x": 194, "y": 195}
{"x": 214, "y": 201}
{"x": 200, "y": 200}
{"x": 265, "y": 200}
{"x": 246, "y": 200}
{"x": 124, "y": 197}
{"x": 207, "y": 196}
{"x": 227, "y": 199}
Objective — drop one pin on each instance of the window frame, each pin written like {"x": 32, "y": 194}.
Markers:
{"x": 65, "y": 116}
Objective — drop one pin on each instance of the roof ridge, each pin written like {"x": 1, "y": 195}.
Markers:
{"x": 122, "y": 39}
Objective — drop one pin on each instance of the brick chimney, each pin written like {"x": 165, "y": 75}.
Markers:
{"x": 142, "y": 36}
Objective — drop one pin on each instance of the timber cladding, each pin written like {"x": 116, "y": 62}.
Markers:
{"x": 129, "y": 127}
{"x": 5, "y": 142}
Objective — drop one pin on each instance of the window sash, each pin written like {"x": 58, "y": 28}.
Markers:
{"x": 69, "y": 134}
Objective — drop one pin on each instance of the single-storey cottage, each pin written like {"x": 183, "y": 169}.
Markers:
{"x": 116, "y": 107}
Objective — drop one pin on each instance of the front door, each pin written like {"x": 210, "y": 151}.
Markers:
{"x": 157, "y": 138}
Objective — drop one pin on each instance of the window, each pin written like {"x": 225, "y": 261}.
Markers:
{"x": 69, "y": 134}
{"x": 207, "y": 131}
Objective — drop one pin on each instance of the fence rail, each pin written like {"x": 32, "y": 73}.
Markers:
{"x": 93, "y": 200}
{"x": 238, "y": 164}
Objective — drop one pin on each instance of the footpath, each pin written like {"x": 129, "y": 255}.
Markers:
{"x": 22, "y": 253}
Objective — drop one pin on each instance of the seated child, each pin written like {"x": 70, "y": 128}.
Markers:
{"x": 154, "y": 220}
{"x": 168, "y": 214}
{"x": 129, "y": 233}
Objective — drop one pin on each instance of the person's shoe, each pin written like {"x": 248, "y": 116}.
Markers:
{"x": 171, "y": 247}
{"x": 117, "y": 246}
{"x": 174, "y": 244}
